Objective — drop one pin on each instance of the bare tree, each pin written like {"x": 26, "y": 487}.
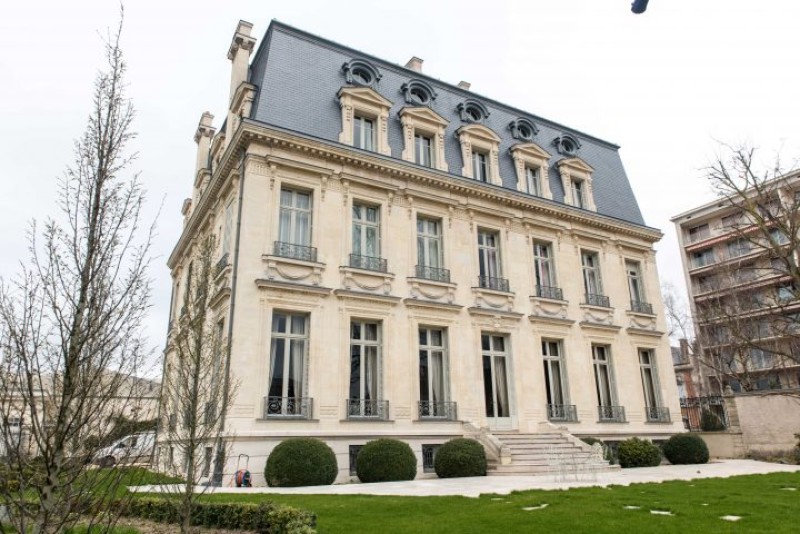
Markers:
{"x": 71, "y": 324}
{"x": 748, "y": 322}
{"x": 194, "y": 395}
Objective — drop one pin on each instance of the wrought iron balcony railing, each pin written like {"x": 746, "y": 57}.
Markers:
{"x": 640, "y": 306}
{"x": 367, "y": 409}
{"x": 490, "y": 282}
{"x": 611, "y": 414}
{"x": 297, "y": 252}
{"x": 288, "y": 407}
{"x": 562, "y": 412}
{"x": 221, "y": 264}
{"x": 595, "y": 299}
{"x": 549, "y": 292}
{"x": 369, "y": 263}
{"x": 441, "y": 410}
{"x": 657, "y": 414}
{"x": 436, "y": 274}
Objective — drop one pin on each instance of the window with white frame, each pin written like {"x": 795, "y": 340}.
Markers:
{"x": 429, "y": 250}
{"x": 364, "y": 393}
{"x": 649, "y": 370}
{"x": 576, "y": 179}
{"x": 604, "y": 383}
{"x": 433, "y": 394}
{"x": 423, "y": 135}
{"x": 288, "y": 352}
{"x": 533, "y": 181}
{"x": 592, "y": 281}
{"x": 544, "y": 271}
{"x": 227, "y": 228}
{"x": 480, "y": 166}
{"x": 635, "y": 287}
{"x": 489, "y": 268}
{"x": 555, "y": 382}
{"x": 364, "y": 132}
{"x": 578, "y": 194}
{"x": 294, "y": 226}
{"x": 366, "y": 236}
{"x": 423, "y": 150}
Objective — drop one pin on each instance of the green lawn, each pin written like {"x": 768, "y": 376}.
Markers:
{"x": 697, "y": 506}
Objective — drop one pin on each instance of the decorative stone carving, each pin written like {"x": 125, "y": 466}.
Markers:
{"x": 370, "y": 281}
{"x": 549, "y": 307}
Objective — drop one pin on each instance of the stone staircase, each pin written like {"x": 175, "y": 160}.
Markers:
{"x": 551, "y": 452}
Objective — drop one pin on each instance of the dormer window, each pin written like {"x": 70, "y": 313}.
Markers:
{"x": 472, "y": 111}
{"x": 566, "y": 144}
{"x": 365, "y": 115}
{"x": 480, "y": 168}
{"x": 578, "y": 199}
{"x": 423, "y": 133}
{"x": 363, "y": 133}
{"x": 533, "y": 181}
{"x": 576, "y": 178}
{"x": 423, "y": 150}
{"x": 418, "y": 93}
{"x": 479, "y": 153}
{"x": 360, "y": 72}
{"x": 523, "y": 129}
{"x": 531, "y": 163}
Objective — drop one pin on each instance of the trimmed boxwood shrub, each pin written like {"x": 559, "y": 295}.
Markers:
{"x": 710, "y": 422}
{"x": 385, "y": 460}
{"x": 635, "y": 452}
{"x": 301, "y": 462}
{"x": 460, "y": 457}
{"x": 686, "y": 449}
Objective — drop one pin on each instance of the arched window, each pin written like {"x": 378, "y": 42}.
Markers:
{"x": 472, "y": 111}
{"x": 361, "y": 72}
{"x": 523, "y": 129}
{"x": 566, "y": 145}
{"x": 418, "y": 93}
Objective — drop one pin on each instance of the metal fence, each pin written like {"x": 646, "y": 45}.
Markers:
{"x": 704, "y": 413}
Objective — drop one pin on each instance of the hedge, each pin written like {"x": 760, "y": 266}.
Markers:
{"x": 264, "y": 518}
{"x": 386, "y": 460}
{"x": 686, "y": 449}
{"x": 460, "y": 457}
{"x": 301, "y": 462}
{"x": 635, "y": 452}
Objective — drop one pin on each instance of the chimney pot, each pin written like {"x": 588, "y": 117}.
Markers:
{"x": 414, "y": 64}
{"x": 464, "y": 85}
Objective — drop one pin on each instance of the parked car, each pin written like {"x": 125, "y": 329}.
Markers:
{"x": 131, "y": 449}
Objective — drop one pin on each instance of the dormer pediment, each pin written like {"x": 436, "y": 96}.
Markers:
{"x": 529, "y": 150}
{"x": 478, "y": 131}
{"x": 365, "y": 95}
{"x": 423, "y": 114}
{"x": 576, "y": 164}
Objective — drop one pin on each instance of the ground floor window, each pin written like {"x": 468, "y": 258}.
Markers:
{"x": 428, "y": 457}
{"x": 354, "y": 450}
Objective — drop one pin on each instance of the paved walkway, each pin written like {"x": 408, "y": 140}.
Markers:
{"x": 502, "y": 485}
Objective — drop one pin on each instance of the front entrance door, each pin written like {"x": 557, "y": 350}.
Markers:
{"x": 495, "y": 381}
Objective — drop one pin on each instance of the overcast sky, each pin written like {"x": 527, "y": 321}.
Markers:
{"x": 665, "y": 86}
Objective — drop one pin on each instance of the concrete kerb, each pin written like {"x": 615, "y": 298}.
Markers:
{"x": 503, "y": 485}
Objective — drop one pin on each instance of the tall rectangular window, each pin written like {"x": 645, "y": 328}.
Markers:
{"x": 578, "y": 198}
{"x": 592, "y": 282}
{"x": 423, "y": 150}
{"x": 287, "y": 364}
{"x": 494, "y": 349}
{"x": 227, "y": 228}
{"x": 366, "y": 230}
{"x": 364, "y": 133}
{"x": 295, "y": 218}
{"x": 601, "y": 359}
{"x": 533, "y": 181}
{"x": 365, "y": 361}
{"x": 480, "y": 166}
{"x": 433, "y": 372}
{"x": 555, "y": 382}
{"x": 647, "y": 365}
{"x": 429, "y": 242}
{"x": 635, "y": 287}
{"x": 697, "y": 233}
{"x": 489, "y": 260}
{"x": 543, "y": 269}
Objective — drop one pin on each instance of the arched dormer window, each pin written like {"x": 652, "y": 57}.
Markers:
{"x": 361, "y": 72}
{"x": 523, "y": 129}
{"x": 567, "y": 145}
{"x": 418, "y": 93}
{"x": 472, "y": 111}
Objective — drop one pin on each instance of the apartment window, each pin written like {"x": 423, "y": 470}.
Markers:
{"x": 494, "y": 349}
{"x": 429, "y": 250}
{"x": 635, "y": 287}
{"x": 423, "y": 150}
{"x": 578, "y": 193}
{"x": 533, "y": 181}
{"x": 433, "y": 373}
{"x": 729, "y": 222}
{"x": 778, "y": 236}
{"x": 592, "y": 282}
{"x": 737, "y": 248}
{"x": 288, "y": 351}
{"x": 365, "y": 370}
{"x": 544, "y": 271}
{"x": 294, "y": 226}
{"x": 219, "y": 360}
{"x": 604, "y": 384}
{"x": 227, "y": 228}
{"x": 704, "y": 257}
{"x": 429, "y": 457}
{"x": 648, "y": 369}
{"x": 207, "y": 454}
{"x": 366, "y": 230}
{"x": 480, "y": 166}
{"x": 364, "y": 133}
{"x": 696, "y": 233}
{"x": 761, "y": 359}
{"x": 786, "y": 292}
{"x": 489, "y": 261}
{"x": 354, "y": 450}
{"x": 555, "y": 383}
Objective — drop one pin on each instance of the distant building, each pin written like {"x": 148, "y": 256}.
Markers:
{"x": 688, "y": 375}
{"x": 401, "y": 257}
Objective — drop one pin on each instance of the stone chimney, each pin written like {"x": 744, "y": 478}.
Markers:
{"x": 203, "y": 135}
{"x": 239, "y": 54}
{"x": 464, "y": 85}
{"x": 414, "y": 64}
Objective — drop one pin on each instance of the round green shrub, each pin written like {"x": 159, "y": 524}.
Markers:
{"x": 460, "y": 457}
{"x": 301, "y": 462}
{"x": 710, "y": 422}
{"x": 385, "y": 460}
{"x": 635, "y": 452}
{"x": 686, "y": 449}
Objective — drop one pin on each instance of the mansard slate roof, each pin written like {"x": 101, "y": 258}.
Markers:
{"x": 298, "y": 76}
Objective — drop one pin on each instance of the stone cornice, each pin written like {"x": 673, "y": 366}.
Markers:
{"x": 250, "y": 130}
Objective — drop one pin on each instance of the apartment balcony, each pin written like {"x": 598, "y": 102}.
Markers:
{"x": 222, "y": 263}
{"x": 657, "y": 414}
{"x": 549, "y": 292}
{"x": 611, "y": 414}
{"x": 437, "y": 411}
{"x": 595, "y": 299}
{"x": 295, "y": 252}
{"x": 288, "y": 407}
{"x": 366, "y": 409}
{"x": 639, "y": 306}
{"x": 368, "y": 263}
{"x": 435, "y": 274}
{"x": 495, "y": 284}
{"x": 566, "y": 413}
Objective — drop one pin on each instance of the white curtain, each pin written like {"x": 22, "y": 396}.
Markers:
{"x": 435, "y": 369}
{"x": 298, "y": 350}
{"x": 501, "y": 385}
